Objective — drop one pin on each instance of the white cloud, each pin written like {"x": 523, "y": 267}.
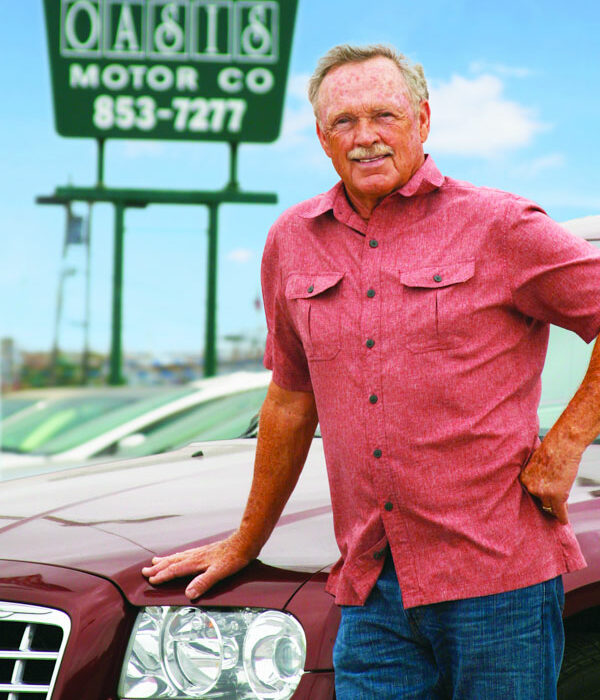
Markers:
{"x": 240, "y": 255}
{"x": 298, "y": 125}
{"x": 533, "y": 168}
{"x": 500, "y": 69}
{"x": 582, "y": 202}
{"x": 472, "y": 117}
{"x": 298, "y": 118}
{"x": 298, "y": 138}
{"x": 298, "y": 86}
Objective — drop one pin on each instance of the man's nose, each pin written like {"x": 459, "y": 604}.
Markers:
{"x": 365, "y": 133}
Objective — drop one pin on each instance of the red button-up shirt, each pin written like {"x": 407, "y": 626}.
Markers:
{"x": 422, "y": 334}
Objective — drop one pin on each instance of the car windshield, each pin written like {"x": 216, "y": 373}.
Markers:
{"x": 57, "y": 425}
{"x": 222, "y": 418}
{"x": 10, "y": 405}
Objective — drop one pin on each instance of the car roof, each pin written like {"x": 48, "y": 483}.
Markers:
{"x": 587, "y": 227}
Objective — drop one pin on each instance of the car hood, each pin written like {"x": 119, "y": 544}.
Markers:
{"x": 15, "y": 463}
{"x": 110, "y": 519}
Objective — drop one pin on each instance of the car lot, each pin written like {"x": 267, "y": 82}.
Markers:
{"x": 72, "y": 427}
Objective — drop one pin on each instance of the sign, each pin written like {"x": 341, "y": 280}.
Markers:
{"x": 170, "y": 69}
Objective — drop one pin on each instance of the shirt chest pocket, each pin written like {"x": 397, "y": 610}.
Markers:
{"x": 436, "y": 305}
{"x": 313, "y": 302}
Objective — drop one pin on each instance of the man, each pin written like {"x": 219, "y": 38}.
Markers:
{"x": 412, "y": 311}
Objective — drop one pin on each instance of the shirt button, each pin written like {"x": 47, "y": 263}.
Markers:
{"x": 437, "y": 278}
{"x": 373, "y": 243}
{"x": 377, "y": 453}
{"x": 370, "y": 343}
{"x": 311, "y": 289}
{"x": 389, "y": 506}
{"x": 370, "y": 293}
{"x": 373, "y": 398}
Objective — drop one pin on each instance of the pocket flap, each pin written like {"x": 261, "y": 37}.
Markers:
{"x": 305, "y": 286}
{"x": 438, "y": 276}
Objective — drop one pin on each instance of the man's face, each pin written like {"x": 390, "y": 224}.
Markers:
{"x": 368, "y": 127}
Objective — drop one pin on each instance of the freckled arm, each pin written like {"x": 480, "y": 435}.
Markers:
{"x": 552, "y": 469}
{"x": 287, "y": 424}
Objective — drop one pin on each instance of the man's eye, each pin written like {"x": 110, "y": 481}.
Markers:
{"x": 341, "y": 122}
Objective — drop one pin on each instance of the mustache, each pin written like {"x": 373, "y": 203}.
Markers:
{"x": 375, "y": 151}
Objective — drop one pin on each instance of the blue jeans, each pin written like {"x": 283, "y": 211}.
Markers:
{"x": 507, "y": 646}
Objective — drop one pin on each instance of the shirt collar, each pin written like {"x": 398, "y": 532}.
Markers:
{"x": 427, "y": 179}
{"x": 322, "y": 203}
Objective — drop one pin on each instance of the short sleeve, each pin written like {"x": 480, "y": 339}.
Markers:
{"x": 284, "y": 353}
{"x": 553, "y": 275}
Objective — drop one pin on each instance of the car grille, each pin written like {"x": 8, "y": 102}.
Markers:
{"x": 32, "y": 642}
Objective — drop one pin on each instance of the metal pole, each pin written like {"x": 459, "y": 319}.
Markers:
{"x": 85, "y": 358}
{"x": 100, "y": 163}
{"x": 210, "y": 350}
{"x": 59, "y": 304}
{"x": 115, "y": 375}
{"x": 55, "y": 351}
{"x": 233, "y": 183}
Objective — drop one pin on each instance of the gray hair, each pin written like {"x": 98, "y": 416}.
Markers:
{"x": 413, "y": 73}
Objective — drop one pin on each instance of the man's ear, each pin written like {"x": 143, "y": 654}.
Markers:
{"x": 323, "y": 140}
{"x": 424, "y": 120}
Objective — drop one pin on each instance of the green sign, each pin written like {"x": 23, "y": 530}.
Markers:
{"x": 170, "y": 69}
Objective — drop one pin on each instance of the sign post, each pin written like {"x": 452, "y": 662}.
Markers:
{"x": 200, "y": 70}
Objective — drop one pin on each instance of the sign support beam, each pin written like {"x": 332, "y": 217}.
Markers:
{"x": 210, "y": 346}
{"x": 115, "y": 376}
{"x": 233, "y": 153}
{"x": 100, "y": 163}
{"x": 123, "y": 199}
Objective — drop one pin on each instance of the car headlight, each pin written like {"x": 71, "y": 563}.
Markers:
{"x": 187, "y": 652}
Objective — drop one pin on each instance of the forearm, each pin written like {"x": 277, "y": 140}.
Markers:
{"x": 287, "y": 424}
{"x": 285, "y": 432}
{"x": 579, "y": 424}
{"x": 552, "y": 469}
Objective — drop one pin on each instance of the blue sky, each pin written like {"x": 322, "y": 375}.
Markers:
{"x": 515, "y": 105}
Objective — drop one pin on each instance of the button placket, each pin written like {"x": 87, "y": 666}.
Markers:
{"x": 372, "y": 300}
{"x": 381, "y": 460}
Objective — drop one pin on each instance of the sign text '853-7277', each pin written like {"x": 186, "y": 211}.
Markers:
{"x": 170, "y": 69}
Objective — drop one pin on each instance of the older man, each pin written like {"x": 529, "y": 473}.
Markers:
{"x": 411, "y": 312}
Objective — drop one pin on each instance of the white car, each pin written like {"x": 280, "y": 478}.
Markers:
{"x": 568, "y": 356}
{"x": 92, "y": 426}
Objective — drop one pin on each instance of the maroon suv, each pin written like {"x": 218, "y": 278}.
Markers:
{"x": 79, "y": 622}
